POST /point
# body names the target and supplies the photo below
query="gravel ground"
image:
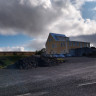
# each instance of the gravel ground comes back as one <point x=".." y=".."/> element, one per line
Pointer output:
<point x="76" y="77"/>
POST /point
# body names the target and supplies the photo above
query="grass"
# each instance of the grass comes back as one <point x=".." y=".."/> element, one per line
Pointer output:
<point x="8" y="60"/>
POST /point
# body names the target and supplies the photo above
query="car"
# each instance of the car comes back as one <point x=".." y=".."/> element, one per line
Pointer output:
<point x="58" y="55"/>
<point x="68" y="55"/>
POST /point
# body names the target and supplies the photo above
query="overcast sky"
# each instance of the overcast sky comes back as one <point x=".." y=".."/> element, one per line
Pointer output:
<point x="25" y="24"/>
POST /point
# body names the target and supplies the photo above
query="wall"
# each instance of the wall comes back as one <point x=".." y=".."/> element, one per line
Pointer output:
<point x="80" y="51"/>
<point x="16" y="53"/>
<point x="63" y="47"/>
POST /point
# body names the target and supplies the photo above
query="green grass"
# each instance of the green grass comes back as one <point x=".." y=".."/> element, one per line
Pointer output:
<point x="8" y="60"/>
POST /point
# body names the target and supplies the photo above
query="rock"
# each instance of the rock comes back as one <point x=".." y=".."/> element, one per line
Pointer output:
<point x="1" y="62"/>
<point x="36" y="61"/>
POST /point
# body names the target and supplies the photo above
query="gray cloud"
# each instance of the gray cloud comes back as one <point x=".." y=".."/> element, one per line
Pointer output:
<point x="39" y="17"/>
<point x="26" y="17"/>
<point x="36" y="44"/>
<point x="86" y="38"/>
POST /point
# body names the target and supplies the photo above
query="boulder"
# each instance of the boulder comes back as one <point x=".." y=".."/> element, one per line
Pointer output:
<point x="35" y="61"/>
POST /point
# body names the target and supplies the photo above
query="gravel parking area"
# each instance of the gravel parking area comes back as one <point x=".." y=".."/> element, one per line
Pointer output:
<point x="75" y="77"/>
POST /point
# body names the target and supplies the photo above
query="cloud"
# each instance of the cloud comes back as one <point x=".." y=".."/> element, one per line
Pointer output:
<point x="87" y="38"/>
<point x="78" y="3"/>
<point x="39" y="17"/>
<point x="35" y="17"/>
<point x="36" y="44"/>
<point x="94" y="9"/>
<point x="28" y="16"/>
<point x="12" y="48"/>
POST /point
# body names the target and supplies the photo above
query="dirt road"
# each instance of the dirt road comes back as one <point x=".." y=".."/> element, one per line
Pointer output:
<point x="76" y="77"/>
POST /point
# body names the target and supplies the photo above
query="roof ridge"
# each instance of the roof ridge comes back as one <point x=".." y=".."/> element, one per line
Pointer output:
<point x="56" y="35"/>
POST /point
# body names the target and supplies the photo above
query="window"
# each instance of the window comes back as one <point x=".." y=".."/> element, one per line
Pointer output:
<point x="73" y="43"/>
<point x="77" y="43"/>
<point x="64" y="51"/>
<point x="70" y="43"/>
<point x="55" y="45"/>
<point x="50" y="39"/>
<point x="61" y="44"/>
<point x="87" y="45"/>
<point x="52" y="45"/>
<point x="81" y="45"/>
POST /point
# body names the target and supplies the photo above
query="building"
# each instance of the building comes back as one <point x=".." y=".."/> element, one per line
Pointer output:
<point x="81" y="51"/>
<point x="60" y="44"/>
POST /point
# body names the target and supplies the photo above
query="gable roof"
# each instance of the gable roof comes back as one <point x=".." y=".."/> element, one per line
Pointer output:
<point x="58" y="37"/>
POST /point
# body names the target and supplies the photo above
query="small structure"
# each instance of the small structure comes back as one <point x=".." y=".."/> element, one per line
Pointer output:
<point x="60" y="44"/>
<point x="81" y="51"/>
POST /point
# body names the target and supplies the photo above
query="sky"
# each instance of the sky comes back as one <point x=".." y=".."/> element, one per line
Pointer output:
<point x="25" y="24"/>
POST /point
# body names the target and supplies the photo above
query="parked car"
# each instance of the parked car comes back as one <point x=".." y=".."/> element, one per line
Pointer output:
<point x="68" y="55"/>
<point x="58" y="55"/>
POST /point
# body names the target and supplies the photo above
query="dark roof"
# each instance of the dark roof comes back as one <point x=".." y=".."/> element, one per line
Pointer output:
<point x="56" y="36"/>
<point x="80" y="41"/>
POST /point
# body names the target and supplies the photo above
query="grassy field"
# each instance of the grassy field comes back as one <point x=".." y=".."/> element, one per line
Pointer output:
<point x="8" y="60"/>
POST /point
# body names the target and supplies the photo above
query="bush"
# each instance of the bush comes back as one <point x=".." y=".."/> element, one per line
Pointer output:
<point x="14" y="53"/>
<point x="40" y="52"/>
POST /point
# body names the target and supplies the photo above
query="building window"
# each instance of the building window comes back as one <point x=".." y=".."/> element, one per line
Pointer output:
<point x="55" y="45"/>
<point x="52" y="45"/>
<point x="73" y="43"/>
<point x="61" y="44"/>
<point x="50" y="39"/>
<point x="81" y="45"/>
<point x="87" y="45"/>
<point x="77" y="44"/>
<point x="70" y="43"/>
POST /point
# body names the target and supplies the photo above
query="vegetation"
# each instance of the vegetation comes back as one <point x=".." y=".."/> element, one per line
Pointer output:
<point x="8" y="60"/>
<point x="40" y="52"/>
